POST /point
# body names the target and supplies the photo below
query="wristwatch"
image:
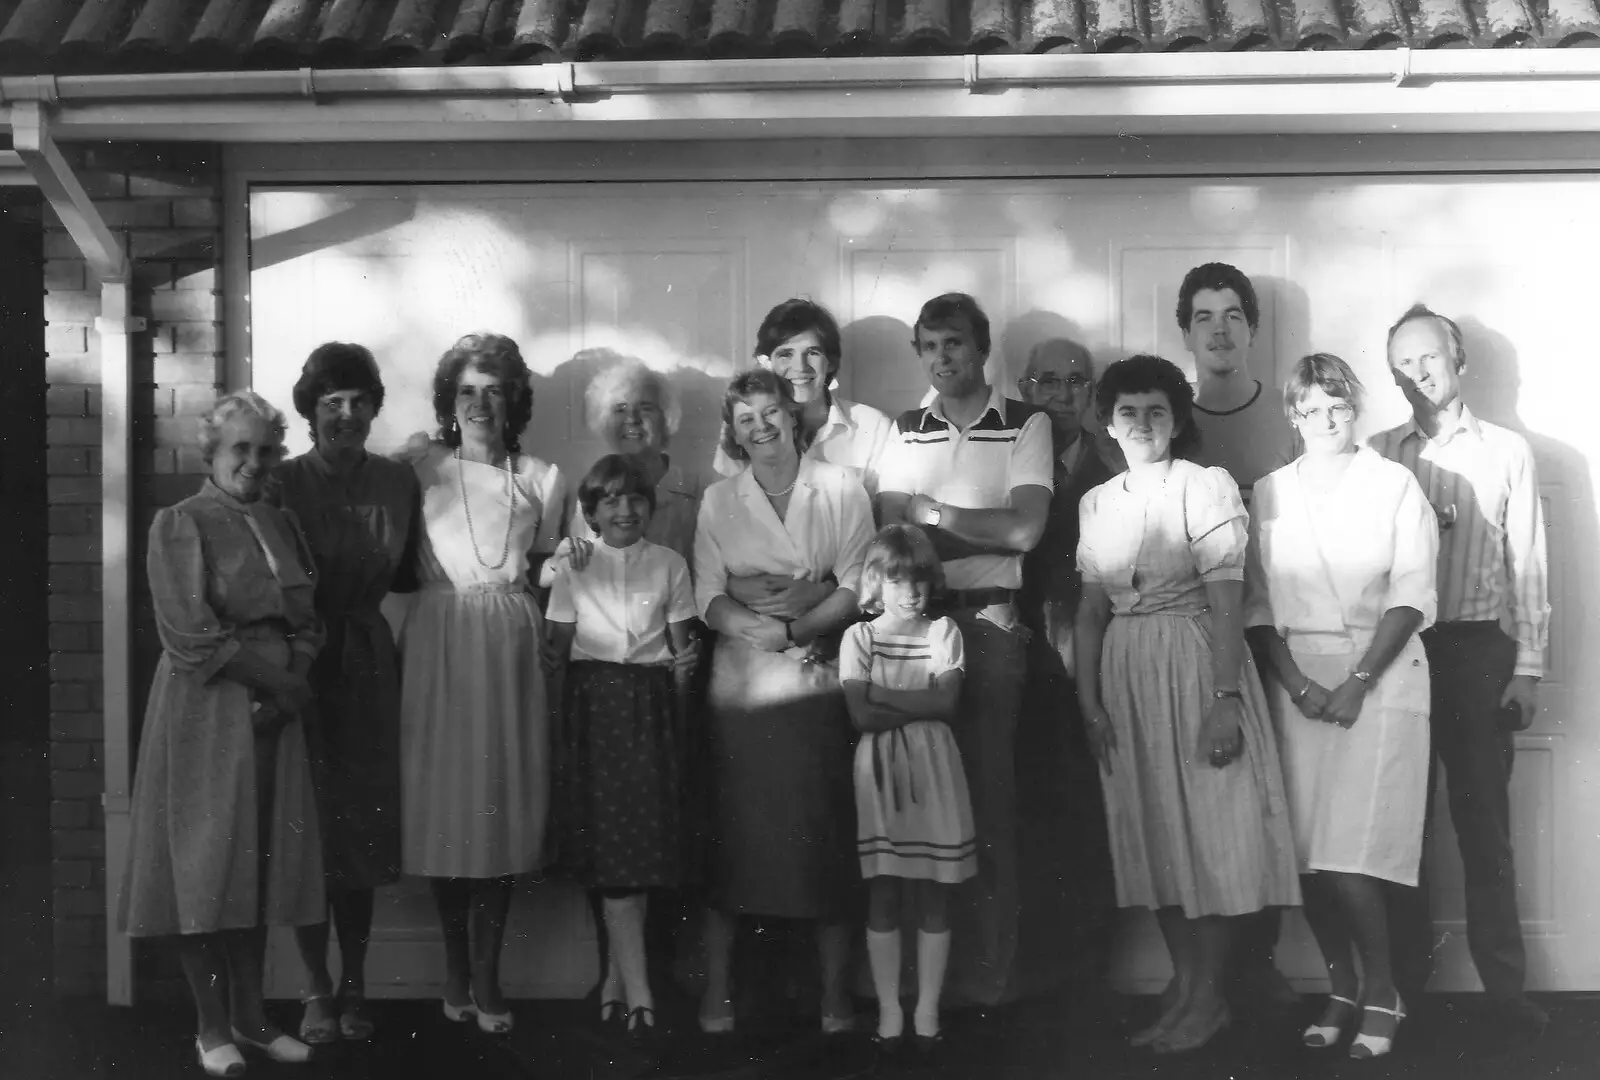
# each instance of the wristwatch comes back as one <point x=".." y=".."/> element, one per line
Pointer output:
<point x="1362" y="677"/>
<point x="1221" y="694"/>
<point x="934" y="514"/>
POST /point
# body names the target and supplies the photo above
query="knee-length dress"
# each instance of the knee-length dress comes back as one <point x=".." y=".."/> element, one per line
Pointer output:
<point x="620" y="760"/>
<point x="913" y="811"/>
<point x="474" y="731"/>
<point x="1323" y="569"/>
<point x="783" y="825"/>
<point x="1183" y="833"/>
<point x="225" y="575"/>
<point x="361" y="528"/>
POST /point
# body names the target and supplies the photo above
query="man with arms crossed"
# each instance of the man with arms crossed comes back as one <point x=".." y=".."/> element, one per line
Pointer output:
<point x="1482" y="483"/>
<point x="974" y="470"/>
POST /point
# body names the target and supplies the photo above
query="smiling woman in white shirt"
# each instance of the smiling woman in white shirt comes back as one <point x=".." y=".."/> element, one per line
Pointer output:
<point x="781" y="740"/>
<point x="1340" y="573"/>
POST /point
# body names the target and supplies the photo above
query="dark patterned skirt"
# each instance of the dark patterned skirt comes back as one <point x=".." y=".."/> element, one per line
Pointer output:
<point x="619" y="777"/>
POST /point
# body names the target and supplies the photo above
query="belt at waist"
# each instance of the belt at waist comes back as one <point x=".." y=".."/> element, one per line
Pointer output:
<point x="475" y="588"/>
<point x="966" y="599"/>
<point x="1329" y="642"/>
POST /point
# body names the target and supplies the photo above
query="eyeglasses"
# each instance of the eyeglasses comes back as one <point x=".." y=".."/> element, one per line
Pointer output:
<point x="1342" y="412"/>
<point x="1054" y="384"/>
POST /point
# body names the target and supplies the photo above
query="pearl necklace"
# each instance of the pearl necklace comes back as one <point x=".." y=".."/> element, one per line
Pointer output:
<point x="511" y="515"/>
<point x="778" y="494"/>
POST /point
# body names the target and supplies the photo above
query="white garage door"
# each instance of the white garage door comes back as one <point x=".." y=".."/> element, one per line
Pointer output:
<point x="680" y="275"/>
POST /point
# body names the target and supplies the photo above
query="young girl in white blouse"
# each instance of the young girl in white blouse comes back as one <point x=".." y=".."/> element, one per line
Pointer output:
<point x="615" y="628"/>
<point x="901" y="674"/>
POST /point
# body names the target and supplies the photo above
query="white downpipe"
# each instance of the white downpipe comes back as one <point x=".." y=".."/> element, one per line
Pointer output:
<point x="109" y="263"/>
<point x="986" y="72"/>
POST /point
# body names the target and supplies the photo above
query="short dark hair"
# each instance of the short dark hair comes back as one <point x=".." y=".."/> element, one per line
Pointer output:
<point x="496" y="355"/>
<point x="1452" y="331"/>
<point x="334" y="366"/>
<point x="1325" y="372"/>
<point x="795" y="317"/>
<point x="613" y="474"/>
<point x="746" y="385"/>
<point x="1217" y="276"/>
<point x="945" y="309"/>
<point x="898" y="553"/>
<point x="1146" y="374"/>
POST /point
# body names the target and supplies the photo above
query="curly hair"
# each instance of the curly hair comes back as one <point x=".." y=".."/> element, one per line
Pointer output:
<point x="1217" y="276"/>
<point x="334" y="366"/>
<point x="746" y="385"/>
<point x="1147" y="375"/>
<point x="1325" y="372"/>
<point x="792" y="318"/>
<point x="608" y="386"/>
<point x="493" y="354"/>
<point x="228" y="406"/>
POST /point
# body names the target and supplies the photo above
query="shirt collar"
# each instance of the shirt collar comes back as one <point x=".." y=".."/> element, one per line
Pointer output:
<point x="997" y="399"/>
<point x="630" y="554"/>
<point x="1466" y="422"/>
<point x="838" y="418"/>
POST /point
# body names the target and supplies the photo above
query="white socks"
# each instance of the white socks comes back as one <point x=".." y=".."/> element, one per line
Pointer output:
<point x="883" y="950"/>
<point x="933" y="953"/>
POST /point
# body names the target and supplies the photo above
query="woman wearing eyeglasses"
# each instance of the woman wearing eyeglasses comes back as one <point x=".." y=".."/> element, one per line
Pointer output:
<point x="1340" y="580"/>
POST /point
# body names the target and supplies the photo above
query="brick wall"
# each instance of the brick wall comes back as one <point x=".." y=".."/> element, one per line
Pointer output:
<point x="164" y="203"/>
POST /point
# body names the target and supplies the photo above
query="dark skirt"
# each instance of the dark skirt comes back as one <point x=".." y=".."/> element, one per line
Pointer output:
<point x="784" y="814"/>
<point x="619" y="778"/>
<point x="354" y="746"/>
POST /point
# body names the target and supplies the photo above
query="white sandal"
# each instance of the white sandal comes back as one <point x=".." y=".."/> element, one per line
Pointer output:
<point x="1322" y="1036"/>
<point x="1363" y="1047"/>
<point x="224" y="1060"/>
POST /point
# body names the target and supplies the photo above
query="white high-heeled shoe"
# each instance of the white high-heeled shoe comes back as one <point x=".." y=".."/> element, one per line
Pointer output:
<point x="284" y="1049"/>
<point x="1364" y="1047"/>
<point x="493" y="1023"/>
<point x="224" y="1060"/>
<point x="1323" y="1036"/>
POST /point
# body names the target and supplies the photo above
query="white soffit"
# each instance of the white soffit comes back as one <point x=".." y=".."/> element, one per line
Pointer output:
<point x="1344" y="92"/>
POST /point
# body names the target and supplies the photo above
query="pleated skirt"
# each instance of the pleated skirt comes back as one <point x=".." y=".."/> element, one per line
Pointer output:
<point x="913" y="811"/>
<point x="474" y="735"/>
<point x="1184" y="833"/>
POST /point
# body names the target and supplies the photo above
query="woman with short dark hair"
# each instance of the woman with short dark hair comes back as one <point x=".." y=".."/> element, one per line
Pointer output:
<point x="780" y="736"/>
<point x="1343" y="552"/>
<point x="360" y="512"/>
<point x="475" y="756"/>
<point x="1171" y="702"/>
<point x="223" y="825"/>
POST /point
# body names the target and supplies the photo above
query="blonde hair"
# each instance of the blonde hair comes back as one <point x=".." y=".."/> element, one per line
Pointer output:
<point x="898" y="553"/>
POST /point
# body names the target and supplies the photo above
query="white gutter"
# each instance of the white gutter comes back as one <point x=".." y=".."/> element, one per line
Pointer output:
<point x="35" y="147"/>
<point x="1269" y="92"/>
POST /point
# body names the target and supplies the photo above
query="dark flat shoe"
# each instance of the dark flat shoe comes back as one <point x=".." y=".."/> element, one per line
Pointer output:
<point x="928" y="1045"/>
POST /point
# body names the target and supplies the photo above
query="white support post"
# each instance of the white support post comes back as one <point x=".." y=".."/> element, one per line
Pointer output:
<point x="103" y="251"/>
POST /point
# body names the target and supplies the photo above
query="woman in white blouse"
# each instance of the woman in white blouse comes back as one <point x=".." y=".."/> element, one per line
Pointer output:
<point x="781" y="741"/>
<point x="1341" y="579"/>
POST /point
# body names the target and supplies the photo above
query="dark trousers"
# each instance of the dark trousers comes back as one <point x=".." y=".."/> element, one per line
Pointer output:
<point x="1470" y="664"/>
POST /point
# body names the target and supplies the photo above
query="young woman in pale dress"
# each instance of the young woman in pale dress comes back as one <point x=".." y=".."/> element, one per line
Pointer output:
<point x="1343" y="546"/>
<point x="475" y="777"/>
<point x="1173" y="708"/>
<point x="780" y="736"/>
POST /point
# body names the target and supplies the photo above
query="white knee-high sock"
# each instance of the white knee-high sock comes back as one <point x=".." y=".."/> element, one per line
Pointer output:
<point x="883" y="950"/>
<point x="933" y="953"/>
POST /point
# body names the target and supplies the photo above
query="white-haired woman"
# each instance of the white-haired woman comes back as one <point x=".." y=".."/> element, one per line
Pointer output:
<point x="1340" y="578"/>
<point x="224" y="837"/>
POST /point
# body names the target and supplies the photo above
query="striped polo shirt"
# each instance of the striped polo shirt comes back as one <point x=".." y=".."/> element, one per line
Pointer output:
<point x="975" y="468"/>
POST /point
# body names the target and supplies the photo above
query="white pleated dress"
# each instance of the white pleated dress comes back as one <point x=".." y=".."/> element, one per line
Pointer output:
<point x="1323" y="569"/>
<point x="475" y="740"/>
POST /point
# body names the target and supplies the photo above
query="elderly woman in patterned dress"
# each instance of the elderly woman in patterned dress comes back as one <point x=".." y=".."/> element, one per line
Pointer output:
<point x="360" y="515"/>
<point x="223" y="828"/>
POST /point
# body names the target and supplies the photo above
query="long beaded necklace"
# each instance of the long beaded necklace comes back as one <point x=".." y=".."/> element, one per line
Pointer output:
<point x="511" y="515"/>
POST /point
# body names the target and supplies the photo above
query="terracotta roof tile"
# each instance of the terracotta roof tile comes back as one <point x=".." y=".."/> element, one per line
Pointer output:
<point x="67" y="36"/>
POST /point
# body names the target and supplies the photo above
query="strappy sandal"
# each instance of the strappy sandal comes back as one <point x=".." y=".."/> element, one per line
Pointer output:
<point x="319" y="1032"/>
<point x="1323" y="1036"/>
<point x="1366" y="1047"/>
